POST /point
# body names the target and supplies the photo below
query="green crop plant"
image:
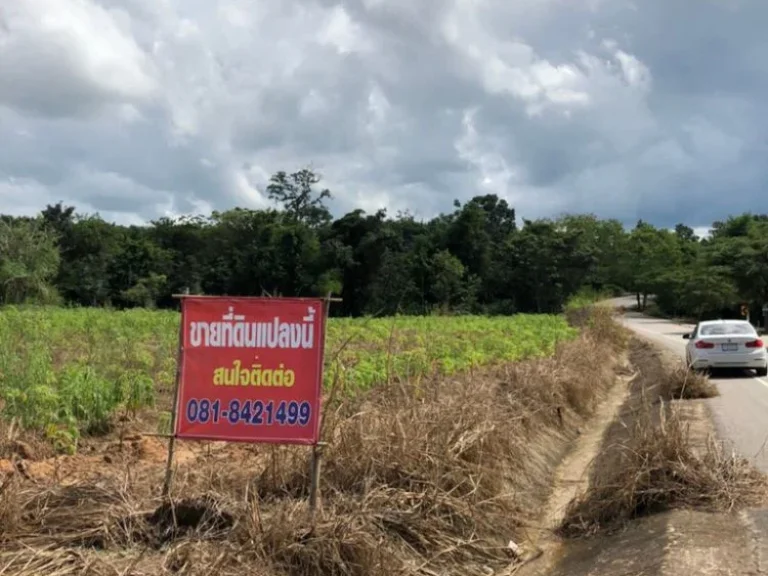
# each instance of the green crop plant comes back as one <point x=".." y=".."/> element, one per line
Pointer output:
<point x="66" y="372"/>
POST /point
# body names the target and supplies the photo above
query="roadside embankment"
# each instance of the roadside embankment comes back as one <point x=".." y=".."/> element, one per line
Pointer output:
<point x="662" y="496"/>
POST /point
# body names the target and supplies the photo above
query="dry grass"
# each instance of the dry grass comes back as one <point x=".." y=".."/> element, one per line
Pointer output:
<point x="651" y="465"/>
<point x="685" y="384"/>
<point x="599" y="322"/>
<point x="418" y="478"/>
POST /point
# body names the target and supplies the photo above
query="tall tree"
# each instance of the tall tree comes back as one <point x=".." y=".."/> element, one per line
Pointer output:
<point x="29" y="261"/>
<point x="299" y="198"/>
<point x="651" y="254"/>
<point x="88" y="249"/>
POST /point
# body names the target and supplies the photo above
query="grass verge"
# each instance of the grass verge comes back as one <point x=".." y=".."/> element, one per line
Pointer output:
<point x="421" y="476"/>
<point x="650" y="464"/>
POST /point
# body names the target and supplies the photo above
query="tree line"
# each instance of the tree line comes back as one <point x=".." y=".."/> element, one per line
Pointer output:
<point x="475" y="259"/>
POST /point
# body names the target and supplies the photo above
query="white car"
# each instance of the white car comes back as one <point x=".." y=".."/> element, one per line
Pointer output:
<point x="726" y="344"/>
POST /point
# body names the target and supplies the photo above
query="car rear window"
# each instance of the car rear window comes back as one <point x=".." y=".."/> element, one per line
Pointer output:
<point x="724" y="329"/>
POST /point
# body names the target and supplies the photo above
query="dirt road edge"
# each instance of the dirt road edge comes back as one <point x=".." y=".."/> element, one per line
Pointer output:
<point x="669" y="543"/>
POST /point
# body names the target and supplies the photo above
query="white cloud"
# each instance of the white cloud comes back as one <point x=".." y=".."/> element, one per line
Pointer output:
<point x="492" y="171"/>
<point x="635" y="72"/>
<point x="341" y="32"/>
<point x="702" y="231"/>
<point x="68" y="57"/>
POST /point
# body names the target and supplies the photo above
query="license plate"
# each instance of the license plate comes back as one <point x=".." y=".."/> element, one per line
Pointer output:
<point x="730" y="347"/>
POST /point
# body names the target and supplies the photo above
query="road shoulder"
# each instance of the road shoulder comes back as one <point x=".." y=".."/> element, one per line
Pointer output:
<point x="697" y="414"/>
<point x="679" y="541"/>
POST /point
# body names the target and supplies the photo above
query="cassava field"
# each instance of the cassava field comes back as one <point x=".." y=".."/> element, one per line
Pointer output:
<point x="69" y="372"/>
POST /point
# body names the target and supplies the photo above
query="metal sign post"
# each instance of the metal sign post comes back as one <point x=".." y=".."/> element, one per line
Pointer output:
<point x="172" y="440"/>
<point x="317" y="448"/>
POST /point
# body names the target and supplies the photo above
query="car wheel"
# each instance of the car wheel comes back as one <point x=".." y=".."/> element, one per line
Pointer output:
<point x="762" y="372"/>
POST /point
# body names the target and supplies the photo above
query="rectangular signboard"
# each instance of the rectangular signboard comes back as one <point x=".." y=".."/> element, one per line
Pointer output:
<point x="251" y="369"/>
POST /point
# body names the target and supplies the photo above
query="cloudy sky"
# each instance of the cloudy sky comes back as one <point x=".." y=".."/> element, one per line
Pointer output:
<point x="653" y="109"/>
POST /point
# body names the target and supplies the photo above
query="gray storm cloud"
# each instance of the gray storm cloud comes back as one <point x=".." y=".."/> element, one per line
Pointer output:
<point x="146" y="108"/>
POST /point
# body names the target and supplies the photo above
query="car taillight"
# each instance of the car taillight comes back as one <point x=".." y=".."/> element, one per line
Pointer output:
<point x="701" y="344"/>
<point x="754" y="344"/>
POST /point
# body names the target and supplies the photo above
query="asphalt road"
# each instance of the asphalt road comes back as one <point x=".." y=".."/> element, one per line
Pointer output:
<point x="740" y="413"/>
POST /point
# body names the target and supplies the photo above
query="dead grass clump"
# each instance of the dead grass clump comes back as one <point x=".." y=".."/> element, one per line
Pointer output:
<point x="682" y="383"/>
<point x="31" y="562"/>
<point x="345" y="541"/>
<point x="578" y="316"/>
<point x="587" y="372"/>
<point x="446" y="472"/>
<point x="470" y="437"/>
<point x="80" y="515"/>
<point x="651" y="465"/>
<point x="659" y="471"/>
<point x="433" y="477"/>
<point x="599" y="322"/>
<point x="10" y="506"/>
<point x="384" y="532"/>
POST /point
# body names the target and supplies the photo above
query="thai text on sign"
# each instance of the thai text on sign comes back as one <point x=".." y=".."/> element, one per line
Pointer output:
<point x="251" y="369"/>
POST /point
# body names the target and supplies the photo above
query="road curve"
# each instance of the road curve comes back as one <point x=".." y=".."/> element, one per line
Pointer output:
<point x="740" y="413"/>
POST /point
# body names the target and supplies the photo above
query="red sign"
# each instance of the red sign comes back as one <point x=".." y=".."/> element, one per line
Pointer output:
<point x="251" y="369"/>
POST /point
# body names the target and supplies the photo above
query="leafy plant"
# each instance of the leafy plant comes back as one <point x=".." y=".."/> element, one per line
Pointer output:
<point x="67" y="372"/>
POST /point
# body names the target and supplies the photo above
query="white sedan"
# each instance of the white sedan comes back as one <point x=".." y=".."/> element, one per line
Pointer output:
<point x="726" y="344"/>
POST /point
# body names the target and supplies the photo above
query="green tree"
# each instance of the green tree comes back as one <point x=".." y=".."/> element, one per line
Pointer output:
<point x="473" y="258"/>
<point x="185" y="240"/>
<point x="299" y="198"/>
<point x="707" y="288"/>
<point x="447" y="273"/>
<point x="137" y="269"/>
<point x="651" y="254"/>
<point x="536" y="256"/>
<point x="29" y="261"/>
<point x="394" y="289"/>
<point x="146" y="291"/>
<point x="89" y="247"/>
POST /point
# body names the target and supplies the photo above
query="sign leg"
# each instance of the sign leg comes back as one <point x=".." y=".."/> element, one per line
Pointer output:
<point x="314" y="480"/>
<point x="169" y="467"/>
<point x="172" y="439"/>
